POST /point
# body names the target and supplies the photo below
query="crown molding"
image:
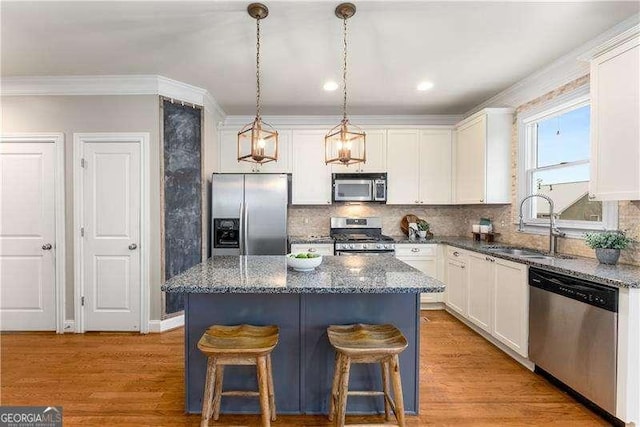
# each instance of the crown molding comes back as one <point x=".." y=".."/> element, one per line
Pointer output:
<point x="370" y="121"/>
<point x="110" y="85"/>
<point x="563" y="70"/>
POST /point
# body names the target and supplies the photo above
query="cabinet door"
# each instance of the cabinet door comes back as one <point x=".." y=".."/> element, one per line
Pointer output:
<point x="511" y="306"/>
<point x="311" y="177"/>
<point x="435" y="166"/>
<point x="470" y="161"/>
<point x="615" y="124"/>
<point x="284" y="151"/>
<point x="318" y="248"/>
<point x="481" y="278"/>
<point x="376" y="155"/>
<point x="428" y="266"/>
<point x="457" y="281"/>
<point x="228" y="154"/>
<point x="403" y="164"/>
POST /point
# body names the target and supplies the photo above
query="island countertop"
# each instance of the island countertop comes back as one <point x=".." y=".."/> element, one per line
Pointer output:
<point x="270" y="274"/>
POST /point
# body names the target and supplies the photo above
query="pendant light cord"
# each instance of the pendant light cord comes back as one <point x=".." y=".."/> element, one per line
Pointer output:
<point x="258" y="67"/>
<point x="344" y="71"/>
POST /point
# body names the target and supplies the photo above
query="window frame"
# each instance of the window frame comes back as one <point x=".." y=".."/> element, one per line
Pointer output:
<point x="527" y="155"/>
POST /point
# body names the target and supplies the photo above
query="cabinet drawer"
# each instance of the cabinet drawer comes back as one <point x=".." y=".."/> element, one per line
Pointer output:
<point x="456" y="253"/>
<point x="318" y="248"/>
<point x="421" y="250"/>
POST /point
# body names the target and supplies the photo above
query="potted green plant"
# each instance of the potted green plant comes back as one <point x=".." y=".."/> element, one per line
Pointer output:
<point x="423" y="228"/>
<point x="607" y="245"/>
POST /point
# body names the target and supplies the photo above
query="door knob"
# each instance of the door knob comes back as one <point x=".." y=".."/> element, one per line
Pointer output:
<point x="46" y="247"/>
<point x="133" y="247"/>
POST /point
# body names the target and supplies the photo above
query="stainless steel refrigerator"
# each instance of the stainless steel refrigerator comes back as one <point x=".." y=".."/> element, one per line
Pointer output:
<point x="249" y="214"/>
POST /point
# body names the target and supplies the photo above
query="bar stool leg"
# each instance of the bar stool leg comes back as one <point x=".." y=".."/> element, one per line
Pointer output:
<point x="217" y="392"/>
<point x="272" y="400"/>
<point x="208" y="391"/>
<point x="343" y="389"/>
<point x="397" y="389"/>
<point x="334" y="387"/>
<point x="263" y="387"/>
<point x="384" y="367"/>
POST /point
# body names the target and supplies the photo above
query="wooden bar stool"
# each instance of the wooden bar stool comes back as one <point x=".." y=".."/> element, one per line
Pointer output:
<point x="238" y="345"/>
<point x="366" y="344"/>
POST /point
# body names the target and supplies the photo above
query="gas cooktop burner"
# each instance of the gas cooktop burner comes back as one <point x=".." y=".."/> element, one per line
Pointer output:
<point x="361" y="238"/>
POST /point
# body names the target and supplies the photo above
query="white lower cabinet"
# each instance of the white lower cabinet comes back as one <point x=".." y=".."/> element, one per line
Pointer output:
<point x="317" y="248"/>
<point x="422" y="257"/>
<point x="492" y="293"/>
<point x="511" y="306"/>
<point x="457" y="281"/>
<point x="481" y="281"/>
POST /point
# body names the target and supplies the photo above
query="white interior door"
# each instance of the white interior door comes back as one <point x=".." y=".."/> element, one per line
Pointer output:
<point x="111" y="215"/>
<point x="27" y="236"/>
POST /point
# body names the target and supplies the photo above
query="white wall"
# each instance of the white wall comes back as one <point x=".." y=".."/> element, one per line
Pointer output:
<point x="69" y="114"/>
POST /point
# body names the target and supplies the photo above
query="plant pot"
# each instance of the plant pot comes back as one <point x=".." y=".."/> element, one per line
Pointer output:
<point x="608" y="256"/>
<point x="422" y="233"/>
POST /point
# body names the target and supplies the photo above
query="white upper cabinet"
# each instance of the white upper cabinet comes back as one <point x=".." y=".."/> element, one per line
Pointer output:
<point x="435" y="166"/>
<point x="615" y="121"/>
<point x="311" y="177"/>
<point x="403" y="167"/>
<point x="228" y="155"/>
<point x="376" y="155"/>
<point x="483" y="157"/>
<point x="419" y="166"/>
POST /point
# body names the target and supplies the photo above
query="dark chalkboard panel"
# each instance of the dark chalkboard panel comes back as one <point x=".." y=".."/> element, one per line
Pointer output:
<point x="182" y="194"/>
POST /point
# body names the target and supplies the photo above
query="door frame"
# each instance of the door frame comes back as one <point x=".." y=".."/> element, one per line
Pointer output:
<point x="79" y="139"/>
<point x="57" y="138"/>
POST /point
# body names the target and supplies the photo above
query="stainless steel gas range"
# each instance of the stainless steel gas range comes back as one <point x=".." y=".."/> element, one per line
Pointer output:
<point x="360" y="236"/>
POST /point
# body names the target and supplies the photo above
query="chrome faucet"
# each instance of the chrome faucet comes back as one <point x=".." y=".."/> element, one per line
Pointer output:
<point x="554" y="233"/>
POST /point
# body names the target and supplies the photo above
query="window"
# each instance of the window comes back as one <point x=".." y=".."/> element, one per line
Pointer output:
<point x="554" y="159"/>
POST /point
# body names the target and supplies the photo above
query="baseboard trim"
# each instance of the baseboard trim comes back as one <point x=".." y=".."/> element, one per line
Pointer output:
<point x="432" y="306"/>
<point x="159" y="326"/>
<point x="523" y="361"/>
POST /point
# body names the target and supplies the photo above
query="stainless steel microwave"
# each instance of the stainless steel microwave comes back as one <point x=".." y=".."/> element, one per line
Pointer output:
<point x="360" y="187"/>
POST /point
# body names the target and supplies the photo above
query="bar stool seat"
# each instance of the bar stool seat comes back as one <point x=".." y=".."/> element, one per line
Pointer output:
<point x="238" y="345"/>
<point x="363" y="343"/>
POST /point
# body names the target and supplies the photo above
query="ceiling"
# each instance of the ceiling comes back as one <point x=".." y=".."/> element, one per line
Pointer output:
<point x="469" y="50"/>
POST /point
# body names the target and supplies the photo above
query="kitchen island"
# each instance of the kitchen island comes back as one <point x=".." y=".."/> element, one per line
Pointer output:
<point x="262" y="290"/>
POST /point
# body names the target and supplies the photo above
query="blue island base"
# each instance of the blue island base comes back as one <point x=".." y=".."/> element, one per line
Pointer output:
<point x="303" y="361"/>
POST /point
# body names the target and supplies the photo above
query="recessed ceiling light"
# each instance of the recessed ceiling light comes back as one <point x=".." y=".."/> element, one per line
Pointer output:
<point x="330" y="86"/>
<point x="422" y="86"/>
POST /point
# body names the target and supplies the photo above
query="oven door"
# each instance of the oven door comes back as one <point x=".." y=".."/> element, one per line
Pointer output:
<point x="352" y="190"/>
<point x="365" y="253"/>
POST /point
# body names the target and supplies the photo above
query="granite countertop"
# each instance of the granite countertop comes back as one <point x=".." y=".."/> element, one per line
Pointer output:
<point x="296" y="240"/>
<point x="620" y="276"/>
<point x="270" y="274"/>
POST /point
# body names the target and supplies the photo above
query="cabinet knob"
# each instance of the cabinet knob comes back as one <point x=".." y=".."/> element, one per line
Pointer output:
<point x="489" y="259"/>
<point x="462" y="266"/>
<point x="415" y="250"/>
<point x="47" y="247"/>
<point x="592" y="196"/>
<point x="133" y="247"/>
<point x="456" y="253"/>
<point x="417" y="201"/>
<point x="312" y="250"/>
<point x="481" y="200"/>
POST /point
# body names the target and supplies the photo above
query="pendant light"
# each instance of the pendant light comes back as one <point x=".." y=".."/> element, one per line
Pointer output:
<point x="258" y="141"/>
<point x="346" y="143"/>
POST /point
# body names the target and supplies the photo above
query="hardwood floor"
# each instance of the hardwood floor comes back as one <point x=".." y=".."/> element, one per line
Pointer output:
<point x="125" y="379"/>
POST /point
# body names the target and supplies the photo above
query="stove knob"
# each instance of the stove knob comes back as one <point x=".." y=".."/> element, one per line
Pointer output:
<point x="388" y="246"/>
<point x="379" y="246"/>
<point x="351" y="246"/>
<point x="365" y="246"/>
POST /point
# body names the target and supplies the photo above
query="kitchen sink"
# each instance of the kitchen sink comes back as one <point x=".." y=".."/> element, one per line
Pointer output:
<point x="526" y="253"/>
<point x="517" y="252"/>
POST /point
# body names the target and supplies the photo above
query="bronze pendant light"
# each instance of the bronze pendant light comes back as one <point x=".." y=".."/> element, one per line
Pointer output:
<point x="345" y="144"/>
<point x="258" y="141"/>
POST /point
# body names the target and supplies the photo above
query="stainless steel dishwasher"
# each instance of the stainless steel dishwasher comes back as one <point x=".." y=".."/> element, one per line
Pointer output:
<point x="573" y="328"/>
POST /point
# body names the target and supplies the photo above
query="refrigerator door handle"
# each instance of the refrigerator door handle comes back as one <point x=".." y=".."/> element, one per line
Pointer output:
<point x="241" y="229"/>
<point x="245" y="227"/>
